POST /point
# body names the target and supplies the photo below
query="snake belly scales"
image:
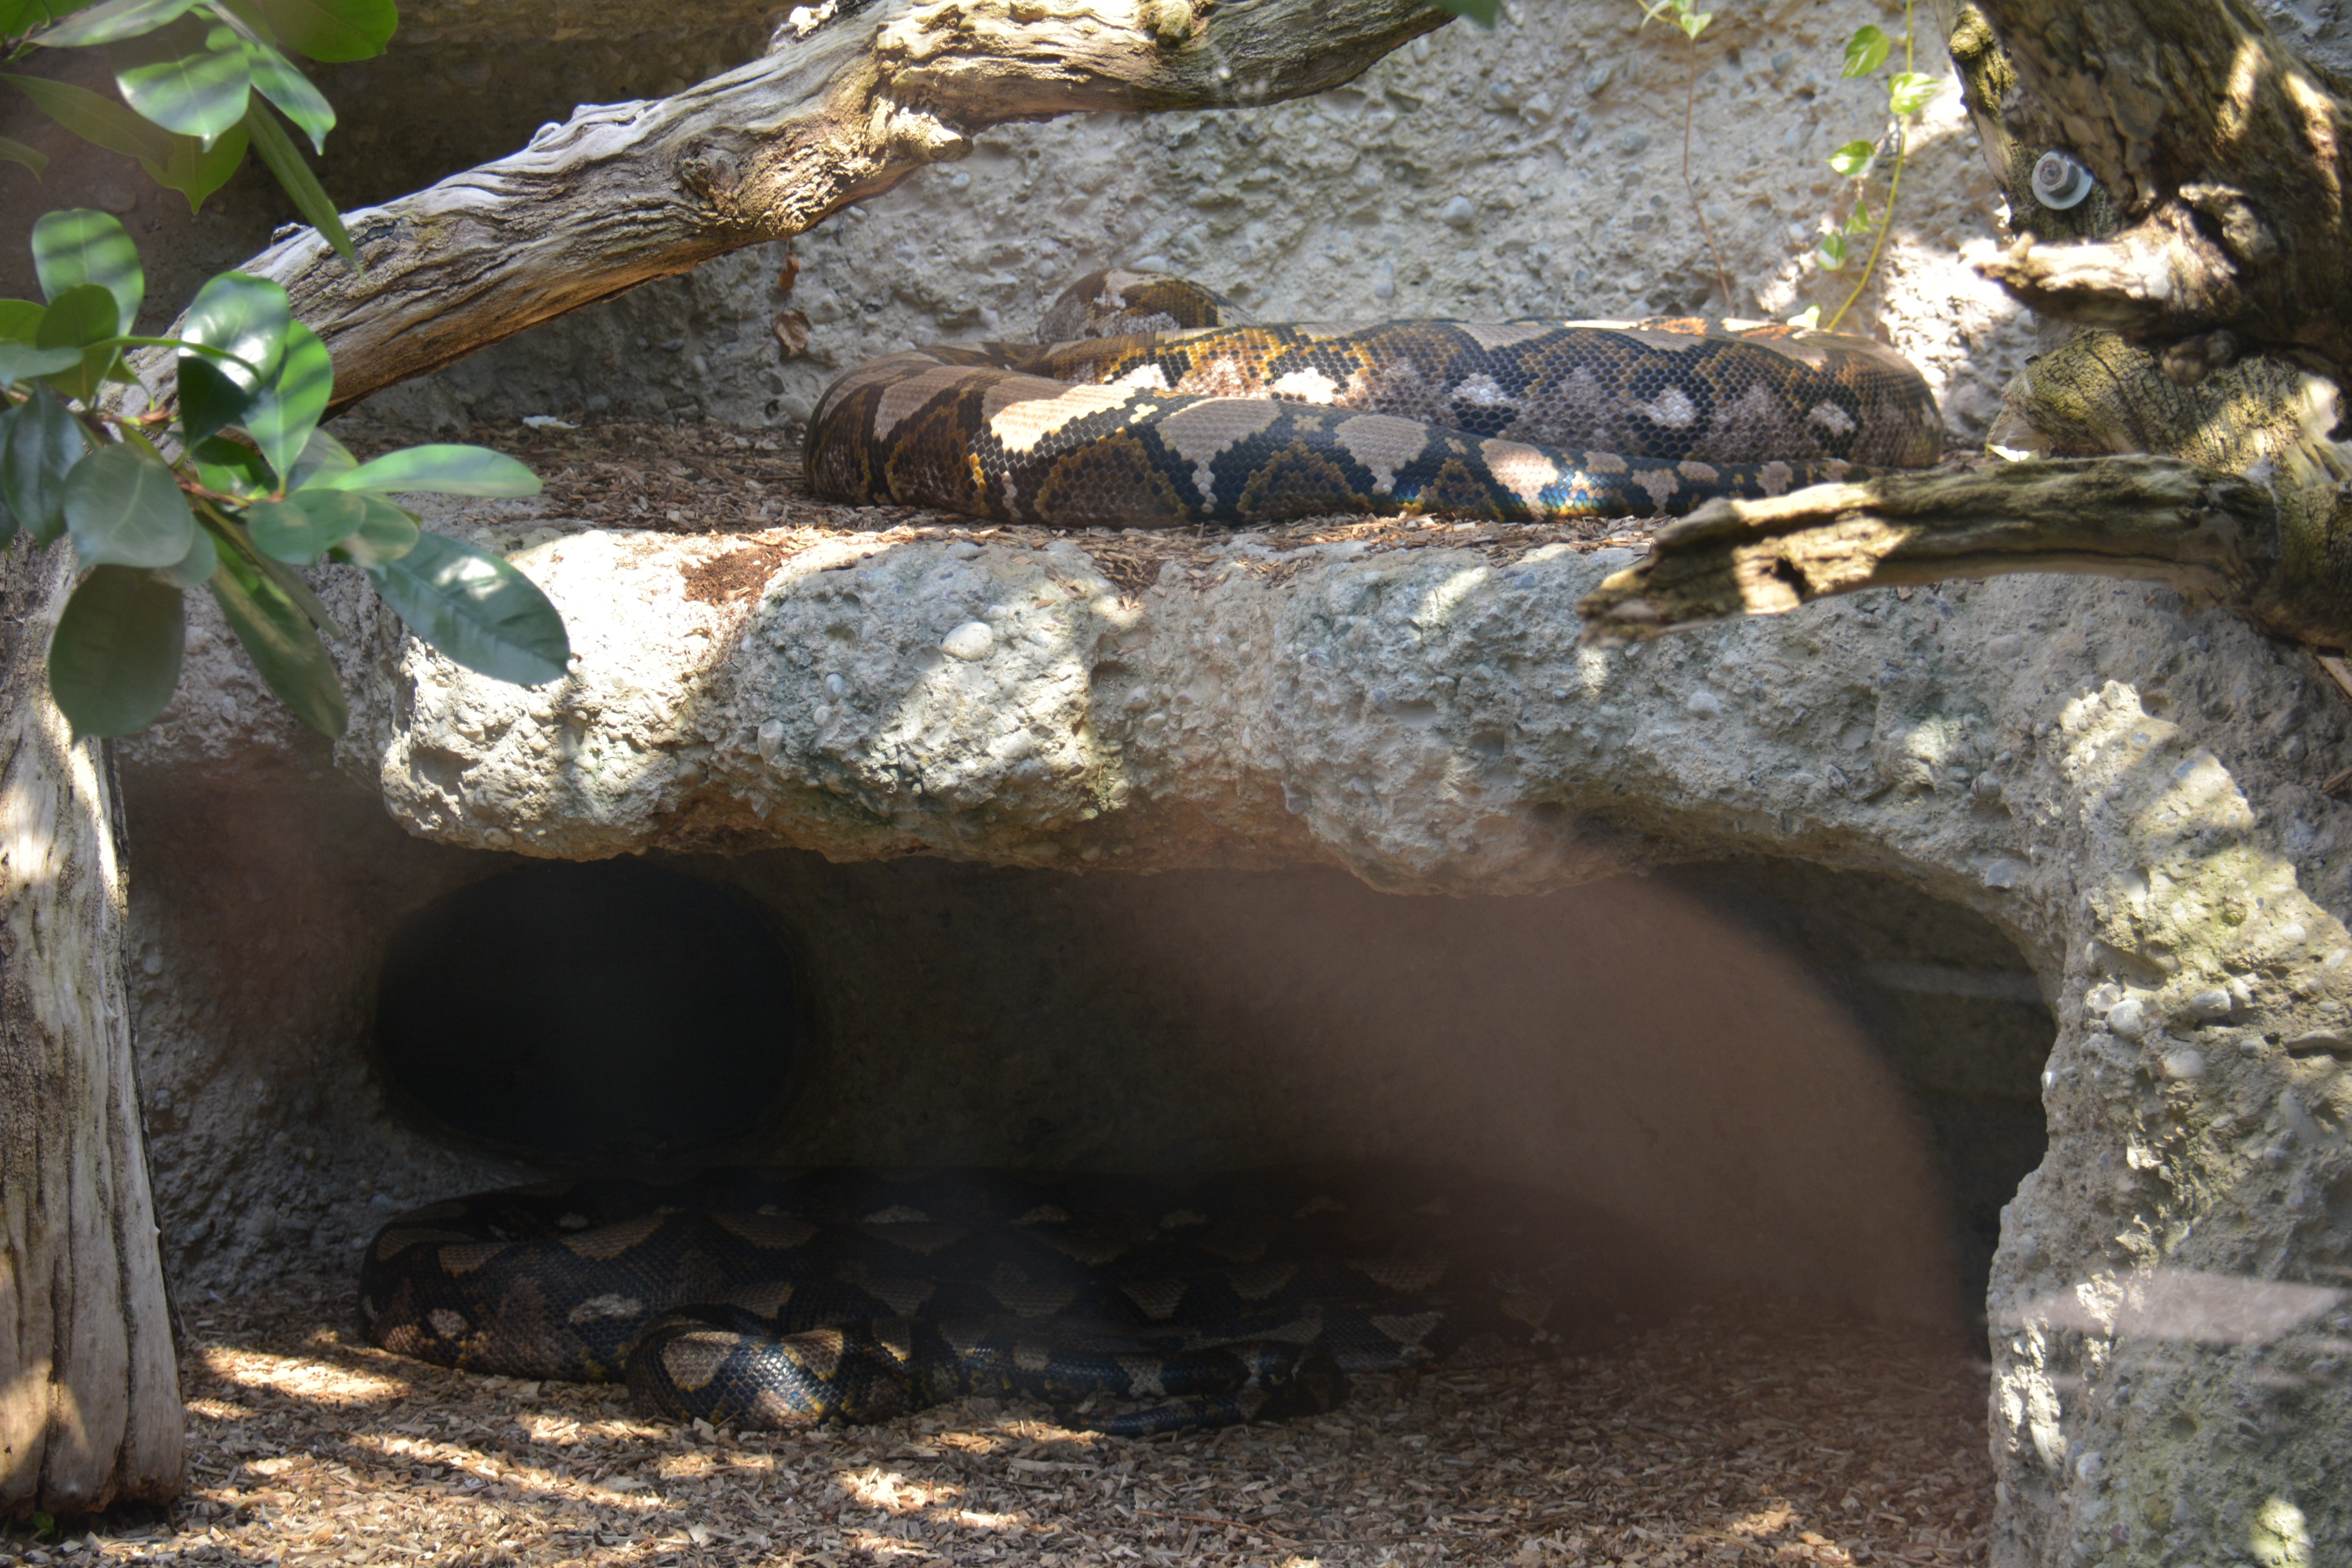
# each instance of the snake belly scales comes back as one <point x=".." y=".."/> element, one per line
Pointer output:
<point x="1156" y="403"/>
<point x="1135" y="1304"/>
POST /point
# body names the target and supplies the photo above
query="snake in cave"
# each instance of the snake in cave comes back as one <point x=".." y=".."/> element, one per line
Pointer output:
<point x="1133" y="1304"/>
<point x="1151" y="401"/>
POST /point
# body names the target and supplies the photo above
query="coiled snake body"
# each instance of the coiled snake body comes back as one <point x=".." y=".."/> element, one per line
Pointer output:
<point x="781" y="1299"/>
<point x="1157" y="402"/>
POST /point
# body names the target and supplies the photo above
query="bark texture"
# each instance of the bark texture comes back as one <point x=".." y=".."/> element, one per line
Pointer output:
<point x="2211" y="535"/>
<point x="2222" y="151"/>
<point x="624" y="194"/>
<point x="89" y="1401"/>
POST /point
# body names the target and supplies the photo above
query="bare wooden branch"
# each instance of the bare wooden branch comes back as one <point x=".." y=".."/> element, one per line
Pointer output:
<point x="627" y="193"/>
<point x="2207" y="533"/>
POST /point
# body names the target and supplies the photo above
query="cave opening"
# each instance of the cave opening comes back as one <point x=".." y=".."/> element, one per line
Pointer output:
<point x="1809" y="1082"/>
<point x="588" y="1012"/>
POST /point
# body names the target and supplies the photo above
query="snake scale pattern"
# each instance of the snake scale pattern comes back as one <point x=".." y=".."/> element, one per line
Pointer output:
<point x="782" y="1299"/>
<point x="1155" y="403"/>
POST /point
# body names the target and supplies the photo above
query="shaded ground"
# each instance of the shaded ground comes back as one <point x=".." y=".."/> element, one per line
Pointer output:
<point x="1746" y="1437"/>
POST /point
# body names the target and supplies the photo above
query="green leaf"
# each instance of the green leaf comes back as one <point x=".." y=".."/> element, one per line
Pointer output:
<point x="281" y="642"/>
<point x="195" y="568"/>
<point x="1693" y="23"/>
<point x="1854" y="157"/>
<point x="78" y="317"/>
<point x="31" y="157"/>
<point x="322" y="458"/>
<point x="196" y="171"/>
<point x="282" y="84"/>
<point x="40" y="442"/>
<point x="189" y="77"/>
<point x="1908" y="93"/>
<point x="332" y="30"/>
<point x="442" y="470"/>
<point x="306" y="525"/>
<point x="232" y="467"/>
<point x="1865" y="52"/>
<point x="1857" y="222"/>
<point x="21" y="362"/>
<point x="182" y="164"/>
<point x="75" y="246"/>
<point x="388" y="534"/>
<point x="1809" y="319"/>
<point x="1482" y="12"/>
<point x="476" y="609"/>
<point x="284" y="160"/>
<point x="17" y="16"/>
<point x="245" y="316"/>
<point x="20" y="320"/>
<point x="93" y="118"/>
<point x="290" y="582"/>
<point x="124" y="506"/>
<point x="1832" y="251"/>
<point x="114" y="659"/>
<point x="111" y="21"/>
<point x="288" y="406"/>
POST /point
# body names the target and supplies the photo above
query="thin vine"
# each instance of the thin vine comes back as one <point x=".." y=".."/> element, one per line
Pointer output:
<point x="1693" y="21"/>
<point x="1908" y="93"/>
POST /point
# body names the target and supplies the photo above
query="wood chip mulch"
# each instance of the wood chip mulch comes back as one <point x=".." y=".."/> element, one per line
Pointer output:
<point x="1733" y="1435"/>
<point x="711" y="479"/>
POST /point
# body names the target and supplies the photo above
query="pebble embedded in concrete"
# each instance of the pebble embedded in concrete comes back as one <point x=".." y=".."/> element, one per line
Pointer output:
<point x="972" y="640"/>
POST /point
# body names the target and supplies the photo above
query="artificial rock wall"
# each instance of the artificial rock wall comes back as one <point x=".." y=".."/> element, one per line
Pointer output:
<point x="2132" y="793"/>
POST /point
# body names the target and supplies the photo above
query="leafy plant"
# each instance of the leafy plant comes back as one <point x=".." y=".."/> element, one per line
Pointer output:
<point x="233" y="491"/>
<point x="201" y="83"/>
<point x="1907" y="92"/>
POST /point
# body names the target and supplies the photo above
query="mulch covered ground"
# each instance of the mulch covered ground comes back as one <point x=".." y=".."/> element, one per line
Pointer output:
<point x="1746" y="1436"/>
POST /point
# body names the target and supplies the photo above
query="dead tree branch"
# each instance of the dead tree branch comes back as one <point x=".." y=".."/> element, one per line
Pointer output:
<point x="2207" y="533"/>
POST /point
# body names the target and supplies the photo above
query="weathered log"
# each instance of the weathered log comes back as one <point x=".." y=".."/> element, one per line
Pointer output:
<point x="89" y="1397"/>
<point x="2211" y="534"/>
<point x="834" y="113"/>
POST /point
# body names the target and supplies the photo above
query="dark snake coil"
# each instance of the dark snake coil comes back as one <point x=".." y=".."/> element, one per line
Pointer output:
<point x="1155" y="403"/>
<point x="1137" y="1305"/>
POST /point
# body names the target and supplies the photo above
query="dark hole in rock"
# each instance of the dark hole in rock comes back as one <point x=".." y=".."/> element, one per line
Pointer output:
<point x="585" y="1011"/>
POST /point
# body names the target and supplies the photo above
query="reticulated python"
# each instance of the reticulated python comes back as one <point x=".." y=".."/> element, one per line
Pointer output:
<point x="1137" y="1305"/>
<point x="1155" y="403"/>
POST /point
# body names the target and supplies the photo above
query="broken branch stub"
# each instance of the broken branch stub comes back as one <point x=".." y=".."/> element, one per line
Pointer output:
<point x="2221" y="151"/>
<point x="624" y="194"/>
<point x="2206" y="533"/>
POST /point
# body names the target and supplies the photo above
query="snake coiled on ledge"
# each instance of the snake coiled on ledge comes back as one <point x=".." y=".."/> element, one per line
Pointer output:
<point x="1154" y="403"/>
<point x="1139" y="1304"/>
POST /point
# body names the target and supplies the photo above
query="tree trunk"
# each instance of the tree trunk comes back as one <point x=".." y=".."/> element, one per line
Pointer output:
<point x="89" y="1396"/>
<point x="624" y="194"/>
